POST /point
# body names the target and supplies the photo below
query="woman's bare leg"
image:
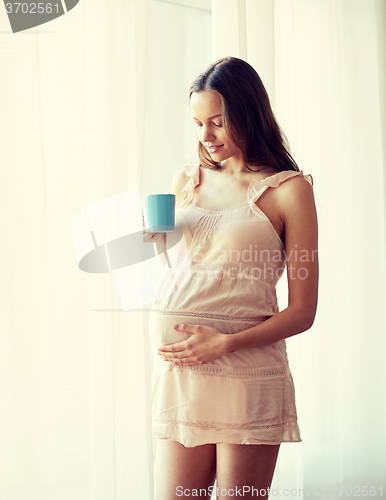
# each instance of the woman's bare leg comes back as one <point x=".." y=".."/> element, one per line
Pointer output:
<point x="178" y="468"/>
<point x="245" y="466"/>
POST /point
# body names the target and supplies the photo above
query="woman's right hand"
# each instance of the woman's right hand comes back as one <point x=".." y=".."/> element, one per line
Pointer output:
<point x="159" y="240"/>
<point x="147" y="237"/>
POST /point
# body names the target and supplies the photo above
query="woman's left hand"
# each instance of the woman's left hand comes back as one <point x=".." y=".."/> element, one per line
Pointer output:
<point x="204" y="345"/>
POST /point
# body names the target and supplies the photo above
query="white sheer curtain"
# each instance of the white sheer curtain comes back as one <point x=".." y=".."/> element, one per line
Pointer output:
<point x="324" y="67"/>
<point x="74" y="388"/>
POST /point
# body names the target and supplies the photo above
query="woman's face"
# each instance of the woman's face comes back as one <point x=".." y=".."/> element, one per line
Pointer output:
<point x="206" y="110"/>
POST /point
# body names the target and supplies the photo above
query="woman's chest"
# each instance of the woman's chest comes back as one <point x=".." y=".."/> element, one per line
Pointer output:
<point x="243" y="235"/>
<point x="225" y="198"/>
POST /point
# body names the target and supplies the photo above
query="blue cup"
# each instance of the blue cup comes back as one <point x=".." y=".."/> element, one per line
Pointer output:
<point x="159" y="213"/>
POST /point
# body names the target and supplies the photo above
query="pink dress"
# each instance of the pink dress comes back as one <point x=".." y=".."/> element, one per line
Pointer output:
<point x="223" y="274"/>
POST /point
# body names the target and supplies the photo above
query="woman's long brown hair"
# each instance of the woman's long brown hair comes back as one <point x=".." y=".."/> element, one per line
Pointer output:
<point x="247" y="115"/>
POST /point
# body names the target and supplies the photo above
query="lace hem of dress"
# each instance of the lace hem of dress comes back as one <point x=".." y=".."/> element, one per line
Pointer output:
<point x="222" y="426"/>
<point x="254" y="320"/>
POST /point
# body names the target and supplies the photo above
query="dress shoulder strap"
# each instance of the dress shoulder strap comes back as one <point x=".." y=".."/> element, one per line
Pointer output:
<point x="192" y="170"/>
<point x="257" y="188"/>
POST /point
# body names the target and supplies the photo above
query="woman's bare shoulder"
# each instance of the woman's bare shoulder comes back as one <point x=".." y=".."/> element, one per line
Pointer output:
<point x="180" y="180"/>
<point x="295" y="195"/>
<point x="294" y="187"/>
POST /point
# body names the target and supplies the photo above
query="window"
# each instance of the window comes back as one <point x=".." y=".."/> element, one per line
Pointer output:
<point x="178" y="50"/>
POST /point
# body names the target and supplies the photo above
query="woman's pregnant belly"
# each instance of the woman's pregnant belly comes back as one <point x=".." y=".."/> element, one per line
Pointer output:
<point x="162" y="332"/>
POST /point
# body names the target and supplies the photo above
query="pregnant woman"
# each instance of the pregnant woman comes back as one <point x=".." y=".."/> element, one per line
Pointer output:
<point x="222" y="394"/>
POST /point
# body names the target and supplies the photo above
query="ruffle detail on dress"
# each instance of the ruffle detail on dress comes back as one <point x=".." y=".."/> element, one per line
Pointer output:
<point x="256" y="188"/>
<point x="206" y="227"/>
<point x="192" y="170"/>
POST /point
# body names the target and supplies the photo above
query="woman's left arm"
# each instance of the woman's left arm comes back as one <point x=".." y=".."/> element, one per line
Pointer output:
<point x="297" y="207"/>
<point x="296" y="204"/>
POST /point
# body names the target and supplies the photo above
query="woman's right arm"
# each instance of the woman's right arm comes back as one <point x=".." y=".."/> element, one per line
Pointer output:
<point x="159" y="239"/>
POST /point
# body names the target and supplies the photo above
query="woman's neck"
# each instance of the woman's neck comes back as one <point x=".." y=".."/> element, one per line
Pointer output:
<point x="233" y="167"/>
